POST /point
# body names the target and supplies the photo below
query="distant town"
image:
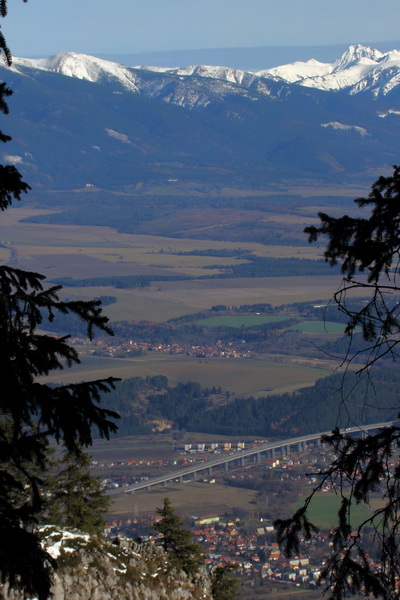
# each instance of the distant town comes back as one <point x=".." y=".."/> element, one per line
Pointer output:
<point x="246" y="540"/>
<point x="117" y="348"/>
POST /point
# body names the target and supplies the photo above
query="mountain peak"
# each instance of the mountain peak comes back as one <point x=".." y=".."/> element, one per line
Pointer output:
<point x="360" y="68"/>
<point x="90" y="68"/>
<point x="356" y="54"/>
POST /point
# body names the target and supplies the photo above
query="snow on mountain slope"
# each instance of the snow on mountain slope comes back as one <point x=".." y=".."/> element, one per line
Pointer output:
<point x="214" y="72"/>
<point x="194" y="86"/>
<point x="117" y="122"/>
<point x="341" y="127"/>
<point x="95" y="69"/>
<point x="359" y="68"/>
<point x="83" y="66"/>
<point x="297" y="71"/>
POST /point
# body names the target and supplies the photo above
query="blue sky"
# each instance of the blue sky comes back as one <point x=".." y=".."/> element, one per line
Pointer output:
<point x="43" y="27"/>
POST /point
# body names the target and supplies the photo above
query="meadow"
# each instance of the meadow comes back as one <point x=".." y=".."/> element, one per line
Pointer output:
<point x="242" y="376"/>
<point x="323" y="511"/>
<point x="240" y="321"/>
<point x="320" y="327"/>
<point x="193" y="497"/>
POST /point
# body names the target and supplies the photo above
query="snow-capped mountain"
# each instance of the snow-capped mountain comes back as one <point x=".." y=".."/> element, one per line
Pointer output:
<point x="360" y="68"/>
<point x="88" y="119"/>
<point x="80" y="66"/>
<point x="190" y="87"/>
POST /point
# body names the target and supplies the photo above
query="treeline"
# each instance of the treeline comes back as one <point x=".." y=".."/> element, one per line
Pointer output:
<point x="290" y="342"/>
<point x="281" y="338"/>
<point x="258" y="266"/>
<point x="323" y="311"/>
<point x="70" y="324"/>
<point x="331" y="402"/>
<point x="181" y="331"/>
<point x="129" y="400"/>
<point x="141" y="401"/>
<point x="220" y="252"/>
<point x="118" y="281"/>
<point x="194" y="334"/>
<point x="255" y="267"/>
<point x="163" y="333"/>
<point x="250" y="309"/>
<point x="132" y="212"/>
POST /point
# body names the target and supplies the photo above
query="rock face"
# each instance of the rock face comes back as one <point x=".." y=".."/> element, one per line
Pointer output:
<point x="93" y="569"/>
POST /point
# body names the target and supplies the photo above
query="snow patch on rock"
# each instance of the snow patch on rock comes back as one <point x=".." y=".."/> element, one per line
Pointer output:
<point x="341" y="127"/>
<point x="122" y="137"/>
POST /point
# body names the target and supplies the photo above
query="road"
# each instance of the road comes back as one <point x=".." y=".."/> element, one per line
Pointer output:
<point x="235" y="456"/>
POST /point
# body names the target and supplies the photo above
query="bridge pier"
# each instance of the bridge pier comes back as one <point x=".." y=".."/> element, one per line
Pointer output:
<point x="285" y="450"/>
<point x="210" y="471"/>
<point x="227" y="466"/>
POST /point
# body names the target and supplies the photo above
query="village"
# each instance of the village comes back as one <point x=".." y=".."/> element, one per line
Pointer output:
<point x="246" y="540"/>
<point x="118" y="348"/>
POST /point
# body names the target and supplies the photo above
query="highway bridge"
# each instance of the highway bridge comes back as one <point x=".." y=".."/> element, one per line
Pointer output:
<point x="283" y="446"/>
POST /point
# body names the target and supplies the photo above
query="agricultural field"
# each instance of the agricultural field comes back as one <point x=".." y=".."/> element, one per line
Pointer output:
<point x="240" y="321"/>
<point x="241" y="376"/>
<point x="82" y="252"/>
<point x="324" y="508"/>
<point x="320" y="327"/>
<point x="193" y="497"/>
<point x="165" y="300"/>
<point x="206" y="293"/>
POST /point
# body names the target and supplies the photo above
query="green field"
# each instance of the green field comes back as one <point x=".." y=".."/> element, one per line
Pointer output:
<point x="240" y="321"/>
<point x="320" y="327"/>
<point x="324" y="507"/>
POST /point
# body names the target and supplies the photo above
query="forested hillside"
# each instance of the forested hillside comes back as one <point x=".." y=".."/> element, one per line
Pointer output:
<point x="150" y="404"/>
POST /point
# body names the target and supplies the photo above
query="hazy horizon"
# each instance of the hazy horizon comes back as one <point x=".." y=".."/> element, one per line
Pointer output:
<point x="42" y="27"/>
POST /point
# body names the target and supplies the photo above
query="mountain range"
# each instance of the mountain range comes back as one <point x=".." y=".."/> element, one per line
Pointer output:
<point x="359" y="68"/>
<point x="78" y="121"/>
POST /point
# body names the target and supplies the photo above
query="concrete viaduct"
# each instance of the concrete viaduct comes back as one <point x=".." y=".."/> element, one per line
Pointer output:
<point x="270" y="448"/>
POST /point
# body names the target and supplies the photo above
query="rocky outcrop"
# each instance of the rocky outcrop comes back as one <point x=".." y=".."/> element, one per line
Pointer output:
<point x="93" y="569"/>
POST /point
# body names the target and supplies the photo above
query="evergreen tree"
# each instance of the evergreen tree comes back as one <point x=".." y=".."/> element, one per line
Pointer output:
<point x="77" y="499"/>
<point x="369" y="464"/>
<point x="177" y="540"/>
<point x="224" y="583"/>
<point x="31" y="411"/>
<point x="369" y="245"/>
